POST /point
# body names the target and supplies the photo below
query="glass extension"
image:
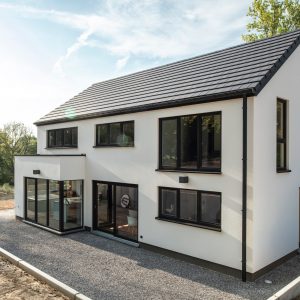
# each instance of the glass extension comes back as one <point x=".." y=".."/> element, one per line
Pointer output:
<point x="54" y="204"/>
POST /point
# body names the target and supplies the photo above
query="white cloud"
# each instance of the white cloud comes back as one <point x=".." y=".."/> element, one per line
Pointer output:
<point x="150" y="28"/>
<point x="121" y="63"/>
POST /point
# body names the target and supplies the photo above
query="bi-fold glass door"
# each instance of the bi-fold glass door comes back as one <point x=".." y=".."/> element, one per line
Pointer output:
<point x="116" y="209"/>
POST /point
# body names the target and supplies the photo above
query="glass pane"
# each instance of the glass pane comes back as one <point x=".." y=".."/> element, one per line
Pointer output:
<point x="211" y="141"/>
<point x="169" y="143"/>
<point x="104" y="207"/>
<point x="116" y="136"/>
<point x="51" y="138"/>
<point x="281" y="155"/>
<point x="42" y="202"/>
<point x="74" y="137"/>
<point x="211" y="208"/>
<point x="54" y="204"/>
<point x="30" y="199"/>
<point x="67" y="137"/>
<point x="72" y="204"/>
<point x="169" y="203"/>
<point x="188" y="142"/>
<point x="102" y="134"/>
<point x="188" y="205"/>
<point x="128" y="134"/>
<point x="280" y="120"/>
<point x="59" y="138"/>
<point x="127" y="212"/>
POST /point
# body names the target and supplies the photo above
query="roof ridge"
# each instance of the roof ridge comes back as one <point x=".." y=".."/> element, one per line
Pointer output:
<point x="202" y="55"/>
<point x="146" y="89"/>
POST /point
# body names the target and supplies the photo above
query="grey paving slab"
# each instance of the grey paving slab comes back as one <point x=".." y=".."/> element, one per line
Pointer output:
<point x="105" y="269"/>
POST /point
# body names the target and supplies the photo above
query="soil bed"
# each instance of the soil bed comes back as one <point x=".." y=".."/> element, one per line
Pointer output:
<point x="7" y="204"/>
<point x="17" y="284"/>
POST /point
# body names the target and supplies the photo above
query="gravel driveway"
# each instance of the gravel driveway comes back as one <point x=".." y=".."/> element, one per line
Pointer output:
<point x="105" y="269"/>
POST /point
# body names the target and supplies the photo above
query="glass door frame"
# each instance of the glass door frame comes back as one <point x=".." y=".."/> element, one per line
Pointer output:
<point x="61" y="204"/>
<point x="112" y="198"/>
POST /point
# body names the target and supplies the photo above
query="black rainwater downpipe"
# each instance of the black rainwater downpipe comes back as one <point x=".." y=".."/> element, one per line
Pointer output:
<point x="244" y="188"/>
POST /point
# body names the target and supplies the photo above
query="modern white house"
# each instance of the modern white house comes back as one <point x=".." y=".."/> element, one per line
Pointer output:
<point x="199" y="158"/>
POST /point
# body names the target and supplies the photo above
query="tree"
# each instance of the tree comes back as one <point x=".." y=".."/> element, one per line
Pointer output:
<point x="15" y="139"/>
<point x="272" y="17"/>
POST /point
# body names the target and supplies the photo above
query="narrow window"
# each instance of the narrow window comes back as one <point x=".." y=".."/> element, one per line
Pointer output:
<point x="169" y="143"/>
<point x="188" y="142"/>
<point x="115" y="134"/>
<point x="211" y="141"/>
<point x="120" y="134"/>
<point x="281" y="135"/>
<point x="211" y="208"/>
<point x="169" y="203"/>
<point x="188" y="205"/>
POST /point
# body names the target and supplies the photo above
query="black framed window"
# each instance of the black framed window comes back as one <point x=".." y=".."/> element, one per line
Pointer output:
<point x="62" y="138"/>
<point x="120" y="134"/>
<point x="54" y="204"/>
<point x="191" y="207"/>
<point x="191" y="142"/>
<point x="281" y="156"/>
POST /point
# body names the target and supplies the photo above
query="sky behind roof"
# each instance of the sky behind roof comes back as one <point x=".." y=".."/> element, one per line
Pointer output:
<point x="51" y="50"/>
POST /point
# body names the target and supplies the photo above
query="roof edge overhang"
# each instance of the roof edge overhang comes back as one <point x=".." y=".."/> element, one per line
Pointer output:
<point x="155" y="106"/>
<point x="277" y="66"/>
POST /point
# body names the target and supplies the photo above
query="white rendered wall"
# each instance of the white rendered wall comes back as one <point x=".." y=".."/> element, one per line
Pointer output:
<point x="276" y="195"/>
<point x="137" y="166"/>
<point x="51" y="167"/>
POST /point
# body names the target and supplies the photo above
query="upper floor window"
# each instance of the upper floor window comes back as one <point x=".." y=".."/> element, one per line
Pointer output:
<point x="281" y="135"/>
<point x="191" y="142"/>
<point x="62" y="138"/>
<point x="115" y="134"/>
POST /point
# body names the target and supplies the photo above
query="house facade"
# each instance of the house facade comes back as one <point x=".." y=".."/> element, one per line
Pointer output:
<point x="198" y="158"/>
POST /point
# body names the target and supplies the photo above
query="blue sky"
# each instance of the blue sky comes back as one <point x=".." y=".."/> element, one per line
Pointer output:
<point x="51" y="50"/>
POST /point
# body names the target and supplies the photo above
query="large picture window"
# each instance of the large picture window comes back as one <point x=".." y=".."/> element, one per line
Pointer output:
<point x="62" y="138"/>
<point x="281" y="135"/>
<point x="119" y="134"/>
<point x="191" y="142"/>
<point x="54" y="204"/>
<point x="192" y="207"/>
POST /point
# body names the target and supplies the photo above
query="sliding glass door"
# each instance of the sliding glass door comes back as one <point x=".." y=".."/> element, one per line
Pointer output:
<point x="116" y="209"/>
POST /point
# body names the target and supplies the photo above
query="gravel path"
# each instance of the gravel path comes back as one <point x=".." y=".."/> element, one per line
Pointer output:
<point x="105" y="269"/>
<point x="15" y="284"/>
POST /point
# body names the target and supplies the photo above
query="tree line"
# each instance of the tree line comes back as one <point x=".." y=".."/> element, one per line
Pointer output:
<point x="15" y="139"/>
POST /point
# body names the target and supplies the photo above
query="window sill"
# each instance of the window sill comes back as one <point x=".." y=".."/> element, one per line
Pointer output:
<point x="113" y="146"/>
<point x="189" y="171"/>
<point x="69" y="147"/>
<point x="284" y="171"/>
<point x="189" y="224"/>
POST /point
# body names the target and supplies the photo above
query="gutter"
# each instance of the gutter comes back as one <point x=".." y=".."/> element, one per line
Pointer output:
<point x="244" y="191"/>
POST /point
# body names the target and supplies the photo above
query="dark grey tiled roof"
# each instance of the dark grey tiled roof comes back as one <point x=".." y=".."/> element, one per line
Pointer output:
<point x="233" y="72"/>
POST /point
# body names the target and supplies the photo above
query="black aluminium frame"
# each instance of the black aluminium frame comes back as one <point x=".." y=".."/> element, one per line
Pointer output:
<point x="283" y="140"/>
<point x="177" y="219"/>
<point x="112" y="191"/>
<point x="63" y="138"/>
<point x="178" y="144"/>
<point x="97" y="144"/>
<point x="61" y="206"/>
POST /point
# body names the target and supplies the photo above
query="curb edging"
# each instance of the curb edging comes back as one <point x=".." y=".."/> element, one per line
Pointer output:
<point x="42" y="276"/>
<point x="290" y="291"/>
